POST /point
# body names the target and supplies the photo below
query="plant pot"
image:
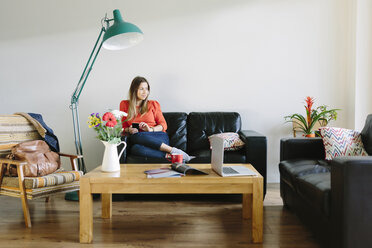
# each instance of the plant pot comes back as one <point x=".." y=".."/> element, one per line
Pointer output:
<point x="310" y="135"/>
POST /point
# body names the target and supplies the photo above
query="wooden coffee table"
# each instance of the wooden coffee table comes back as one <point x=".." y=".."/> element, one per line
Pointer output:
<point x="132" y="179"/>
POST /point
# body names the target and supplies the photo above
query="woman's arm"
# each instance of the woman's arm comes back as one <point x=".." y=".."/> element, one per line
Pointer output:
<point x="130" y="130"/>
<point x="124" y="107"/>
<point x="159" y="117"/>
<point x="145" y="127"/>
<point x="157" y="128"/>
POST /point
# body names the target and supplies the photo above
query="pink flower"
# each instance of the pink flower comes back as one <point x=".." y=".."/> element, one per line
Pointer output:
<point x="309" y="102"/>
<point x="110" y="118"/>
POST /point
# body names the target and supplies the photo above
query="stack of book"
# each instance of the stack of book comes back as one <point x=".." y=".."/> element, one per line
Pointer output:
<point x="162" y="172"/>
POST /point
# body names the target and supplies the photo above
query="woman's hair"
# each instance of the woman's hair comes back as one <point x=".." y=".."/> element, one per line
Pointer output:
<point x="132" y="95"/>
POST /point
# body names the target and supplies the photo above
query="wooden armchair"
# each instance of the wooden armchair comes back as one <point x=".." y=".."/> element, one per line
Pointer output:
<point x="31" y="187"/>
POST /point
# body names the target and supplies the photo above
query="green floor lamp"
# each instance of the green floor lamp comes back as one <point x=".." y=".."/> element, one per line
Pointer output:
<point x="119" y="35"/>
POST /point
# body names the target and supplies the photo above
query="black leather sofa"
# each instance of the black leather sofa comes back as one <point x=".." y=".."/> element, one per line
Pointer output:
<point x="190" y="132"/>
<point x="334" y="198"/>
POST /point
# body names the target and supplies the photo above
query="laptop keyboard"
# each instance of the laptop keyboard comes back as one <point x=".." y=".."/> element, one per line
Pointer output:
<point x="229" y="170"/>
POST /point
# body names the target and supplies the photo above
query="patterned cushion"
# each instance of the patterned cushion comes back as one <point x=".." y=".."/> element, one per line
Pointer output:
<point x="41" y="192"/>
<point x="57" y="178"/>
<point x="341" y="142"/>
<point x="231" y="141"/>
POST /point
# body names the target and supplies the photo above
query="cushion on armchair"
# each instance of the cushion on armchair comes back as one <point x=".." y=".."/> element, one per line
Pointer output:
<point x="57" y="178"/>
<point x="342" y="142"/>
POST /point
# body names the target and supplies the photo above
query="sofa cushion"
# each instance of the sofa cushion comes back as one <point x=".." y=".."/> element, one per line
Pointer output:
<point x="341" y="142"/>
<point x="177" y="130"/>
<point x="204" y="156"/>
<point x="231" y="141"/>
<point x="291" y="169"/>
<point x="201" y="125"/>
<point x="367" y="135"/>
<point x="316" y="190"/>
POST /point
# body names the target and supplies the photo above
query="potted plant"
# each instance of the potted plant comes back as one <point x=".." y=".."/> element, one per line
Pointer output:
<point x="321" y="115"/>
<point x="331" y="114"/>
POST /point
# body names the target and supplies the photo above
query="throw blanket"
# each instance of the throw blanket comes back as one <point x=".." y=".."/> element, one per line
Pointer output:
<point x="45" y="132"/>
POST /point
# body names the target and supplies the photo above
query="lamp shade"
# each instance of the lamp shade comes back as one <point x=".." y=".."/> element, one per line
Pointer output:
<point x="121" y="34"/>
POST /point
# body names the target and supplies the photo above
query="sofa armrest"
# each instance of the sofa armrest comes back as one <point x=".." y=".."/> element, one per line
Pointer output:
<point x="256" y="151"/>
<point x="351" y="201"/>
<point x="303" y="148"/>
<point x="123" y="158"/>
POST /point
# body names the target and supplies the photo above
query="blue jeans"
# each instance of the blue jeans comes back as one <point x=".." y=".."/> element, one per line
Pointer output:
<point x="147" y="144"/>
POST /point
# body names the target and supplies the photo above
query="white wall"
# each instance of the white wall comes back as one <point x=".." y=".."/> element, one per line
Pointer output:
<point x="259" y="58"/>
<point x="363" y="72"/>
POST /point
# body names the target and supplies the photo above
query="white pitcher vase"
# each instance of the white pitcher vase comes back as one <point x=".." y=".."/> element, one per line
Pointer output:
<point x="110" y="161"/>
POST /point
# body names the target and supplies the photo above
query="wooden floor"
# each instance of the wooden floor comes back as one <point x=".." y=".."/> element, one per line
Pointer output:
<point x="149" y="222"/>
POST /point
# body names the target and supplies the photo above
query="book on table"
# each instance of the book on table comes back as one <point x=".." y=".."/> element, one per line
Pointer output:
<point x="176" y="170"/>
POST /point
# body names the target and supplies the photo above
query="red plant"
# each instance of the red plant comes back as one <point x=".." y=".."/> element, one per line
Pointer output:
<point x="309" y="103"/>
<point x="110" y="118"/>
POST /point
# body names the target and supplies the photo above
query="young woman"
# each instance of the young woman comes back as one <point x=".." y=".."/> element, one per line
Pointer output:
<point x="145" y="123"/>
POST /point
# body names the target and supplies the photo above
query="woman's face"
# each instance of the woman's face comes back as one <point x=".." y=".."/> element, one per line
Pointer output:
<point x="143" y="91"/>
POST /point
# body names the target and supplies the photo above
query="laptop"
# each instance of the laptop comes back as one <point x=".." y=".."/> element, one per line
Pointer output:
<point x="217" y="161"/>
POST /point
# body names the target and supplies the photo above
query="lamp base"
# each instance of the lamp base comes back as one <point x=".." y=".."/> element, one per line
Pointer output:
<point x="72" y="196"/>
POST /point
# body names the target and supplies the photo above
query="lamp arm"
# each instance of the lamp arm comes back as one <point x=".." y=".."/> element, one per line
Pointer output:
<point x="85" y="74"/>
<point x="75" y="101"/>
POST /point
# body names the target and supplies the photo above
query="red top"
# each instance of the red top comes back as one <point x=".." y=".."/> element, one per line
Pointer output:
<point x="153" y="117"/>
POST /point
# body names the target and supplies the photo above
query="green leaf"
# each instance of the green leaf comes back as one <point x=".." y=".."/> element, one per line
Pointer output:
<point x="301" y="120"/>
<point x="114" y="140"/>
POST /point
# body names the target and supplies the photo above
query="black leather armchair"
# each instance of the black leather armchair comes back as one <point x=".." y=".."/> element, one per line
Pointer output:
<point x="189" y="132"/>
<point x="334" y="198"/>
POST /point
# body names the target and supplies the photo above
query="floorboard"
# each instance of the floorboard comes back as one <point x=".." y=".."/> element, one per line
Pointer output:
<point x="152" y="222"/>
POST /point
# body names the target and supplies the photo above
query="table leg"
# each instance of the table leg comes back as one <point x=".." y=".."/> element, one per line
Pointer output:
<point x="257" y="211"/>
<point x="106" y="206"/>
<point x="247" y="206"/>
<point x="86" y="211"/>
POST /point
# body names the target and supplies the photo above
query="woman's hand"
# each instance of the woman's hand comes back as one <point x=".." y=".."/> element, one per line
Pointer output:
<point x="132" y="130"/>
<point x="143" y="126"/>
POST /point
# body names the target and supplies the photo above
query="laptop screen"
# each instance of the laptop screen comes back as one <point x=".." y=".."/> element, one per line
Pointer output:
<point x="217" y="154"/>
